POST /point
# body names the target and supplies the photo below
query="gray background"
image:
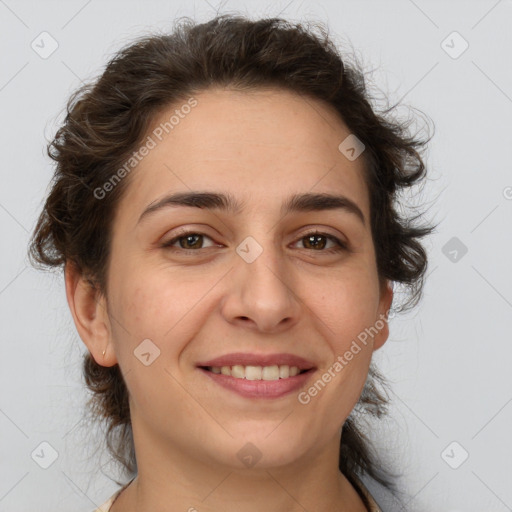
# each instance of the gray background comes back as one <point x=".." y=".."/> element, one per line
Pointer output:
<point x="448" y="360"/>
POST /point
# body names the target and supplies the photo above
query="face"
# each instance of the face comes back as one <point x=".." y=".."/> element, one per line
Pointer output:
<point x="194" y="289"/>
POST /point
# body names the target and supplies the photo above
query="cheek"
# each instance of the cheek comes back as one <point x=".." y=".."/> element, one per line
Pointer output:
<point x="347" y="309"/>
<point x="348" y="306"/>
<point x="145" y="305"/>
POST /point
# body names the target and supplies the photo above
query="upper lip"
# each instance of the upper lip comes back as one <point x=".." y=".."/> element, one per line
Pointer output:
<point x="247" y="359"/>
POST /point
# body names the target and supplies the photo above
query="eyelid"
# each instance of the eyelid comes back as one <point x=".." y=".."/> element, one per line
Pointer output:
<point x="341" y="244"/>
<point x="182" y="233"/>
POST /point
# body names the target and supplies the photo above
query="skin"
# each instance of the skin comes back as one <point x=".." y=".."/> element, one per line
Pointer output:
<point x="261" y="147"/>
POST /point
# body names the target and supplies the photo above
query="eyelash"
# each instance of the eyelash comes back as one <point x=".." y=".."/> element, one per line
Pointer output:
<point x="341" y="246"/>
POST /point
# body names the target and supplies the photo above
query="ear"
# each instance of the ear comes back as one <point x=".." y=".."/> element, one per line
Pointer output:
<point x="89" y="310"/>
<point x="386" y="298"/>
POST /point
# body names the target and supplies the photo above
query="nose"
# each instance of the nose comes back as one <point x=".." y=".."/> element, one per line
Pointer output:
<point x="261" y="293"/>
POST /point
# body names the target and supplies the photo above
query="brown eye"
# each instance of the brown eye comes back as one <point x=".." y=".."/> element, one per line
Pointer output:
<point x="189" y="241"/>
<point x="317" y="242"/>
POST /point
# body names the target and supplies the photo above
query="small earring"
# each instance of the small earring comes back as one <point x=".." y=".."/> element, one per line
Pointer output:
<point x="104" y="354"/>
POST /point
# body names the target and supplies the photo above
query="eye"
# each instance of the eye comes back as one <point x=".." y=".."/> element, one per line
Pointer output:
<point x="313" y="240"/>
<point x="189" y="240"/>
<point x="193" y="241"/>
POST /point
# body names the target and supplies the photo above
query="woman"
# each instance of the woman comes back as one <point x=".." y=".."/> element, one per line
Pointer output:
<point x="224" y="208"/>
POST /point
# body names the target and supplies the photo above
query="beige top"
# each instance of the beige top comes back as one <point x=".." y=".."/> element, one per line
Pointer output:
<point x="373" y="507"/>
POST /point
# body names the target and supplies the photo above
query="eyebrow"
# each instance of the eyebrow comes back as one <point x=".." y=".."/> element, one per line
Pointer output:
<point x="305" y="202"/>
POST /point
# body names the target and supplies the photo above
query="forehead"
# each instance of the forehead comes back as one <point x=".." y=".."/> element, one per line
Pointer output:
<point x="259" y="146"/>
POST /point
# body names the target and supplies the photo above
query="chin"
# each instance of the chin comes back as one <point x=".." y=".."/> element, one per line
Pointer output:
<point x="263" y="447"/>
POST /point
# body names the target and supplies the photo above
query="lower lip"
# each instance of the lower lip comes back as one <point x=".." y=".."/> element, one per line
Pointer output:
<point x="260" y="388"/>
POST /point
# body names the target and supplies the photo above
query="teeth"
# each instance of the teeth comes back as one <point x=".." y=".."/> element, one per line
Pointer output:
<point x="252" y="372"/>
<point x="294" y="371"/>
<point x="237" y="371"/>
<point x="270" y="372"/>
<point x="257" y="372"/>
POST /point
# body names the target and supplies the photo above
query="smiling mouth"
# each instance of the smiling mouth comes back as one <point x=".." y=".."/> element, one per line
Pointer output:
<point x="267" y="373"/>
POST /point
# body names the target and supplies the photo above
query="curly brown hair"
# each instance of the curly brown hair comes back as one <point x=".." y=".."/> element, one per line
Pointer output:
<point x="109" y="117"/>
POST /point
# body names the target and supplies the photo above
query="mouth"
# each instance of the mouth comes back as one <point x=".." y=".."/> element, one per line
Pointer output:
<point x="253" y="376"/>
<point x="250" y="372"/>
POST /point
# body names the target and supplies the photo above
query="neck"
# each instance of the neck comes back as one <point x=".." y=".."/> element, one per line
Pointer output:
<point x="170" y="480"/>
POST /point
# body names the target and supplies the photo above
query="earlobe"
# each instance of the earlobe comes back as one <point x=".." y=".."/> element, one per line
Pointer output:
<point x="88" y="308"/>
<point x="381" y="322"/>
